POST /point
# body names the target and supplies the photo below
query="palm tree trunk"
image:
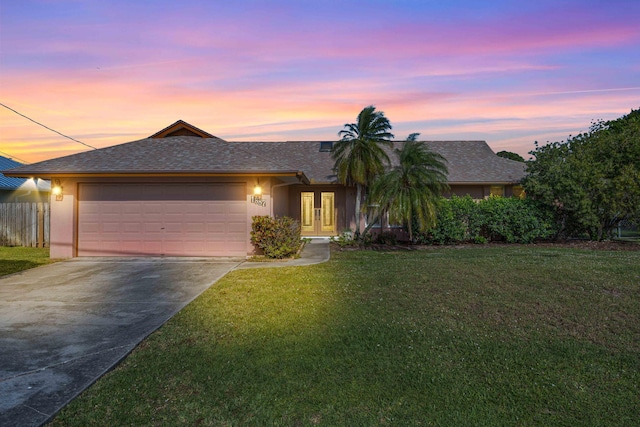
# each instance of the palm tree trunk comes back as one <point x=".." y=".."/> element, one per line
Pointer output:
<point x="358" y="223"/>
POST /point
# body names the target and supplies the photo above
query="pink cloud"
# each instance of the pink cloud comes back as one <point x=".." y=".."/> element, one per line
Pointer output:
<point x="284" y="73"/>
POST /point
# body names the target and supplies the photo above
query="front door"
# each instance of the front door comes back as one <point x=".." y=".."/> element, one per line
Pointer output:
<point x="317" y="213"/>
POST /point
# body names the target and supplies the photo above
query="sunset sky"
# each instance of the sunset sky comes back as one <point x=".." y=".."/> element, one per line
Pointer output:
<point x="508" y="72"/>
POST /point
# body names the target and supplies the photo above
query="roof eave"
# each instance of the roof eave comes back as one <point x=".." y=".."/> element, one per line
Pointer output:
<point x="132" y="174"/>
<point x="483" y="182"/>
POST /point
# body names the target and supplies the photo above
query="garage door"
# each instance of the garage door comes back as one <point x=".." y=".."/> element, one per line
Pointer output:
<point x="162" y="219"/>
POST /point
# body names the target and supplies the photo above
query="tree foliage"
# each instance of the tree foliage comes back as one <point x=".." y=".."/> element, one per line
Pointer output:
<point x="510" y="155"/>
<point x="359" y="155"/>
<point x="591" y="181"/>
<point x="411" y="189"/>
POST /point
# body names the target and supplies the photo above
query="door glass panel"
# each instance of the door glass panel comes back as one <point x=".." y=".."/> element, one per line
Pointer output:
<point x="307" y="212"/>
<point x="328" y="217"/>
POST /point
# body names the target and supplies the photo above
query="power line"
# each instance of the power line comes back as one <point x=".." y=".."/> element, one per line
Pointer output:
<point x="13" y="157"/>
<point x="47" y="127"/>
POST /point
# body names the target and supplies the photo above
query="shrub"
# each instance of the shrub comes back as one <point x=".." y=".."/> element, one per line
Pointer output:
<point x="456" y="221"/>
<point x="345" y="239"/>
<point x="512" y="220"/>
<point x="387" y="238"/>
<point x="276" y="237"/>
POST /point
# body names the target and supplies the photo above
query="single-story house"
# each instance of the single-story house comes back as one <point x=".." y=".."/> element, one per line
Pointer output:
<point x="185" y="192"/>
<point x="19" y="190"/>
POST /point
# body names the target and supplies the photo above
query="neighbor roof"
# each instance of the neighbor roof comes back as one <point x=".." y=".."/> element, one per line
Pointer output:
<point x="12" y="184"/>
<point x="468" y="161"/>
<point x="7" y="183"/>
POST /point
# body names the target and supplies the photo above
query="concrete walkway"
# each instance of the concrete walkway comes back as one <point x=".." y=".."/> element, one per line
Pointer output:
<point x="314" y="252"/>
<point x="64" y="325"/>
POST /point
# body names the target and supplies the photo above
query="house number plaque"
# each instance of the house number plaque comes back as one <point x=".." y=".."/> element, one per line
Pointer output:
<point x="256" y="200"/>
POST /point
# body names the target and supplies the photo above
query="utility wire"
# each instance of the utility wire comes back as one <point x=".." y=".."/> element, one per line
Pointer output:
<point x="47" y="127"/>
<point x="12" y="157"/>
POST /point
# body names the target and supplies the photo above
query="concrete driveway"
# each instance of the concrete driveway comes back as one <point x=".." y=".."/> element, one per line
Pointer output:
<point x="64" y="325"/>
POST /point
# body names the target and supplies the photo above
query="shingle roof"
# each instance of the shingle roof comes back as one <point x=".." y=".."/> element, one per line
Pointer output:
<point x="468" y="161"/>
<point x="182" y="128"/>
<point x="475" y="162"/>
<point x="179" y="154"/>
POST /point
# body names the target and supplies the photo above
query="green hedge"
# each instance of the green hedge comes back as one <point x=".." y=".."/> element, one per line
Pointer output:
<point x="512" y="220"/>
<point x="277" y="237"/>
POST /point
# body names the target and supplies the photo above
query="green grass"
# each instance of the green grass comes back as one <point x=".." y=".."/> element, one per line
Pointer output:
<point x="15" y="259"/>
<point x="450" y="337"/>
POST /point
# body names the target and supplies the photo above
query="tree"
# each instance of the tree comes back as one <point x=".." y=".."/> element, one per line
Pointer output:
<point x="511" y="156"/>
<point x="410" y="190"/>
<point x="592" y="181"/>
<point x="360" y="154"/>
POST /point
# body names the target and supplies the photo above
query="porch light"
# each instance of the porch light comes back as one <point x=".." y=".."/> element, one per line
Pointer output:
<point x="56" y="190"/>
<point x="257" y="190"/>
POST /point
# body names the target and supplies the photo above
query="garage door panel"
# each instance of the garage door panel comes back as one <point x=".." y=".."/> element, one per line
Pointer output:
<point x="236" y="228"/>
<point x="167" y="219"/>
<point x="173" y="228"/>
<point x="194" y="217"/>
<point x="148" y="207"/>
<point x="109" y="227"/>
<point x="236" y="208"/>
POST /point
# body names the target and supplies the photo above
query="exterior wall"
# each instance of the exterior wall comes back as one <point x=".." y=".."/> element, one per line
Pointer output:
<point x="62" y="225"/>
<point x="280" y="198"/>
<point x="475" y="191"/>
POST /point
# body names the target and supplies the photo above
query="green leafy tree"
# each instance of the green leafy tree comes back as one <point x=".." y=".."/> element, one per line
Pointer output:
<point x="410" y="190"/>
<point x="592" y="181"/>
<point x="511" y="156"/>
<point x="360" y="155"/>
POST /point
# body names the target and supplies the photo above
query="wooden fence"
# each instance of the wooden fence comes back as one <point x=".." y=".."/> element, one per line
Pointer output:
<point x="24" y="224"/>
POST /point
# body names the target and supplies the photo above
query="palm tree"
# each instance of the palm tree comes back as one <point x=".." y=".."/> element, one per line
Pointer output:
<point x="410" y="190"/>
<point x="360" y="154"/>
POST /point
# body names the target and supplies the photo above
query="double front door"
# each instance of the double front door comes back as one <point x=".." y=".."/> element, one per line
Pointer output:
<point x="318" y="216"/>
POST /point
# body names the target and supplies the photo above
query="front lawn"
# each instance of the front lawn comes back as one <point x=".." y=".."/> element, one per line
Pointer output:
<point x="452" y="337"/>
<point x="15" y="259"/>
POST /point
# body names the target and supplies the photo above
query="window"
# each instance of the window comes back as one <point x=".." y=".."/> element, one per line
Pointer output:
<point x="372" y="214"/>
<point x="518" y="192"/>
<point x="382" y="219"/>
<point x="496" y="190"/>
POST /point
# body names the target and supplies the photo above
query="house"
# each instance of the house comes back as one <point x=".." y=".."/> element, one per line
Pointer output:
<point x="185" y="192"/>
<point x="18" y="190"/>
